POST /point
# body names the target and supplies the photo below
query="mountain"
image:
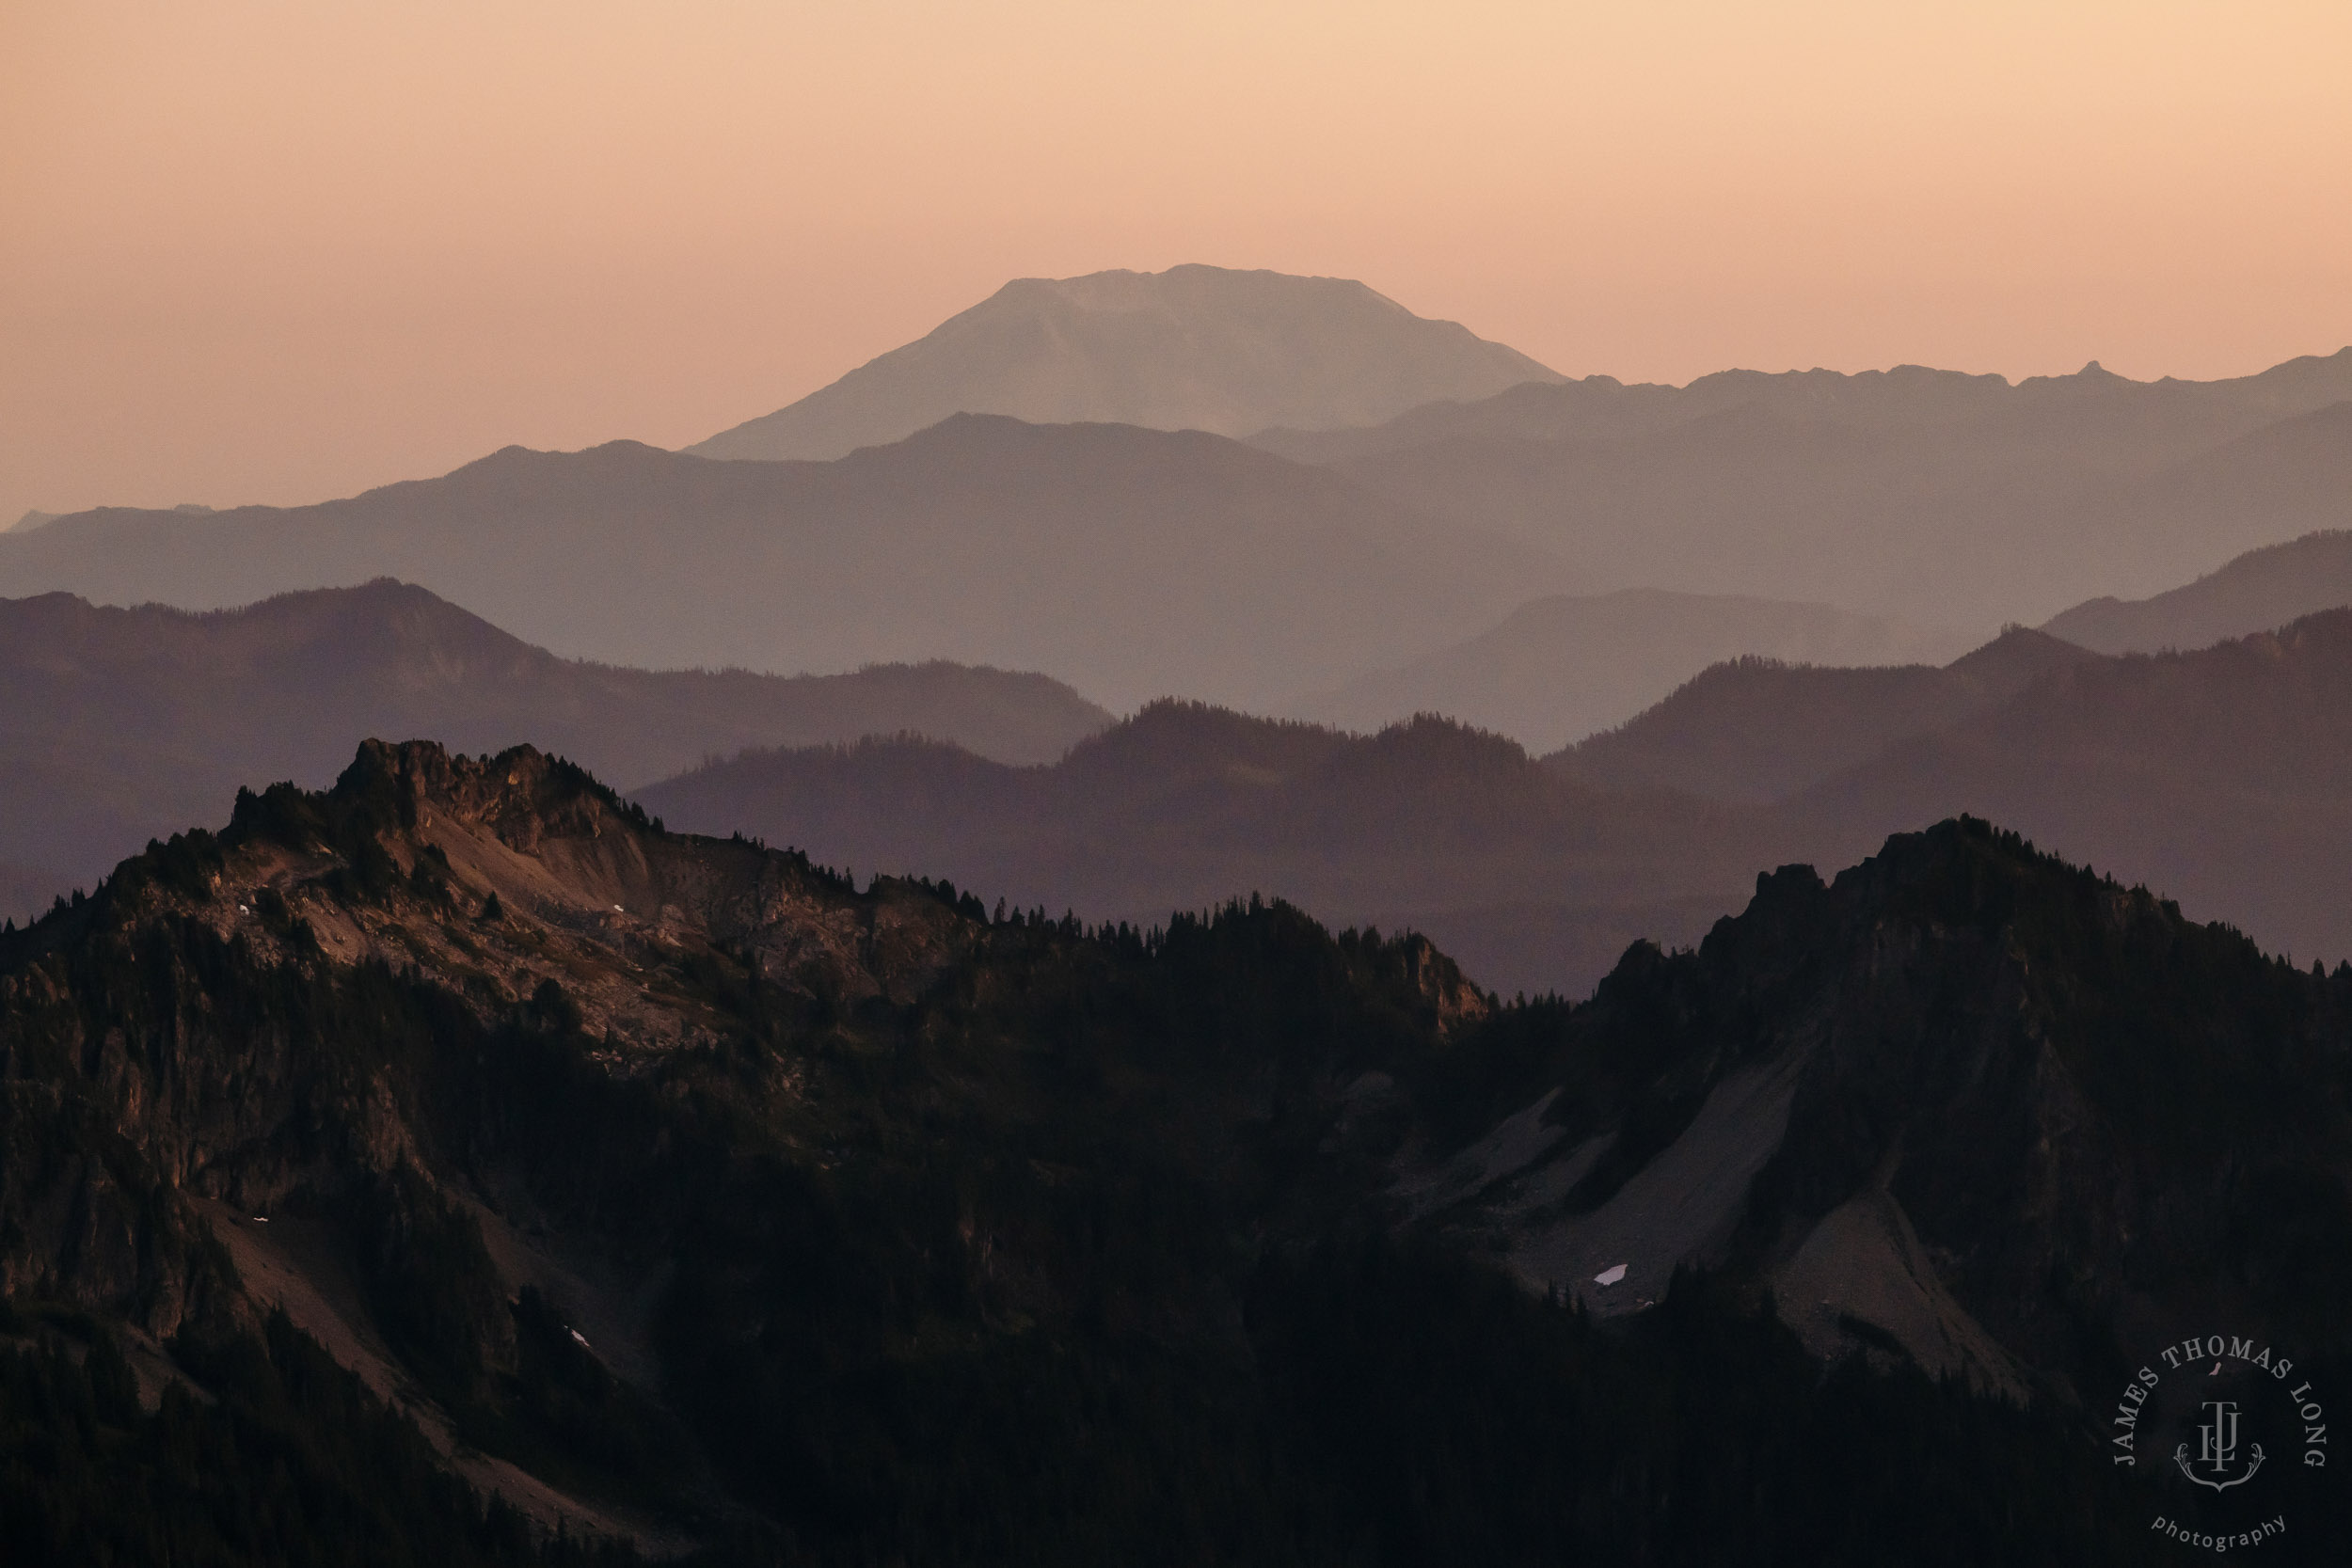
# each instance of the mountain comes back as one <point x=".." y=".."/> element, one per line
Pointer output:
<point x="1755" y="730"/>
<point x="1191" y="348"/>
<point x="2220" y="778"/>
<point x="1558" y="668"/>
<point x="1534" y="880"/>
<point x="1128" y="562"/>
<point x="458" y="1133"/>
<point x="1964" y="1102"/>
<point x="2258" y="590"/>
<point x="124" y="723"/>
<point x="1925" y="495"/>
<point x="2111" y="419"/>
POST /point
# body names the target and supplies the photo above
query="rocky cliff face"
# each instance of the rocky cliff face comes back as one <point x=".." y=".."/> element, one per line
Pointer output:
<point x="195" y="1009"/>
<point x="2007" y="1114"/>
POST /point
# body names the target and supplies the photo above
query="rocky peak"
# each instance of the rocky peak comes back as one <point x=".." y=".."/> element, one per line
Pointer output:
<point x="1996" y="1106"/>
<point x="520" y="795"/>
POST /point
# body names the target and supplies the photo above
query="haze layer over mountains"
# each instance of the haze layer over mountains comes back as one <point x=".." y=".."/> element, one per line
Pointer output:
<point x="1144" y="560"/>
<point x="1948" y="498"/>
<point x="1433" y="523"/>
<point x="2259" y="590"/>
<point x="2220" y="778"/>
<point x="1558" y="668"/>
<point x="1355" y="574"/>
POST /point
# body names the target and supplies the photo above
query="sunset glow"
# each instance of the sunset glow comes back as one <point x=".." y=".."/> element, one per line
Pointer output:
<point x="279" y="251"/>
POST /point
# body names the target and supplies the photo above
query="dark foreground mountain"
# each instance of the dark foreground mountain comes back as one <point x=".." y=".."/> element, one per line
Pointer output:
<point x="1191" y="348"/>
<point x="125" y="724"/>
<point x="1130" y="563"/>
<point x="460" y="1123"/>
<point x="1954" y="1106"/>
<point x="1558" y="668"/>
<point x="1925" y="495"/>
<point x="2257" y="592"/>
<point x="1534" y="879"/>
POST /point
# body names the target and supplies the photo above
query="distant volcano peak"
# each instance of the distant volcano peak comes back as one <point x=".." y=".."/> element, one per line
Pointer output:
<point x="1192" y="348"/>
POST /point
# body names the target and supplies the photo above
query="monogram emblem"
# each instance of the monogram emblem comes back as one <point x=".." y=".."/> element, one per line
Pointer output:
<point x="2215" y="1465"/>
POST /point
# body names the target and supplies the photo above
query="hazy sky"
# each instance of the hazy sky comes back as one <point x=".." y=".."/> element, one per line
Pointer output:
<point x="279" y="251"/>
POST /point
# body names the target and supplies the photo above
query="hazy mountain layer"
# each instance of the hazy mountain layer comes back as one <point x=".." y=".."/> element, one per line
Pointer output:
<point x="2106" y="418"/>
<point x="674" y="1189"/>
<point x="125" y="723"/>
<point x="1929" y="495"/>
<point x="1558" y="668"/>
<point x="1129" y="563"/>
<point x="1753" y="730"/>
<point x="1192" y="348"/>
<point x="1534" y="880"/>
<point x="2219" y="778"/>
<point x="2258" y="590"/>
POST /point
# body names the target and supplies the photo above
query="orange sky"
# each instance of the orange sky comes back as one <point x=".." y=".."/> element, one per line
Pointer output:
<point x="282" y="250"/>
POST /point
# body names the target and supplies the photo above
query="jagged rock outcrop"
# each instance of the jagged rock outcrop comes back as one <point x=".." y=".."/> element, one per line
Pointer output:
<point x="2006" y="1112"/>
<point x="467" y="1056"/>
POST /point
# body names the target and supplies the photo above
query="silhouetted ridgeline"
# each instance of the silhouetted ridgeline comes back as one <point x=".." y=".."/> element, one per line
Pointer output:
<point x="1131" y="563"/>
<point x="1757" y="730"/>
<point x="677" y="1187"/>
<point x="1536" y="881"/>
<point x="2257" y="592"/>
<point x="2221" y="778"/>
<point x="1929" y="495"/>
<point x="2218" y="777"/>
<point x="123" y="725"/>
<point x="1556" y="669"/>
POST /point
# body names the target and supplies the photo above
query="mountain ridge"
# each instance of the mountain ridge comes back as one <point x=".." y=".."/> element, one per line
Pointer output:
<point x="998" y="1205"/>
<point x="2258" y="590"/>
<point x="1132" y="561"/>
<point x="1860" y="490"/>
<point x="1561" y="668"/>
<point x="126" y="721"/>
<point x="2214" y="777"/>
<point x="1759" y="730"/>
<point x="1423" y="824"/>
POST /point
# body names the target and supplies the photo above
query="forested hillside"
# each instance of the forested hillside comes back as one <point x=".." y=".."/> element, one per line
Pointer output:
<point x="683" y="1189"/>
